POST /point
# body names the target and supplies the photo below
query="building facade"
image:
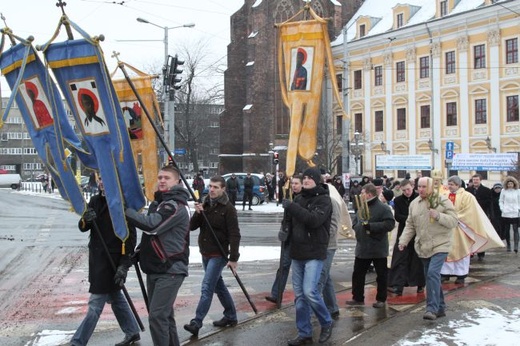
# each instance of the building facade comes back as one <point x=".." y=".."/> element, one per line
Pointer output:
<point x="421" y="73"/>
<point x="255" y="122"/>
<point x="17" y="152"/>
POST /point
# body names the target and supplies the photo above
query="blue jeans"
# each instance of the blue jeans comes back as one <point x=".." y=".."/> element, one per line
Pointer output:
<point x="326" y="286"/>
<point x="432" y="272"/>
<point x="96" y="303"/>
<point x="162" y="292"/>
<point x="306" y="274"/>
<point x="213" y="283"/>
<point x="282" y="275"/>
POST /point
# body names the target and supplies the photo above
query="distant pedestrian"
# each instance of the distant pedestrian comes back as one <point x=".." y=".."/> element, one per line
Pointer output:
<point x="249" y="184"/>
<point x="232" y="188"/>
<point x="198" y="184"/>
<point x="510" y="206"/>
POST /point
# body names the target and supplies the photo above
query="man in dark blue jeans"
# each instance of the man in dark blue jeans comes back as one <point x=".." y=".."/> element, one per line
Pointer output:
<point x="105" y="282"/>
<point x="222" y="217"/>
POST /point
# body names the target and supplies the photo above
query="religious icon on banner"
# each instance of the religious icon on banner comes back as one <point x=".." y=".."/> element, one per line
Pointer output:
<point x="302" y="61"/>
<point x="132" y="114"/>
<point x="87" y="103"/>
<point x="37" y="103"/>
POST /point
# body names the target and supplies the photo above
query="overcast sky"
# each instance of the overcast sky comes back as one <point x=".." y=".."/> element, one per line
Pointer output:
<point x="117" y="21"/>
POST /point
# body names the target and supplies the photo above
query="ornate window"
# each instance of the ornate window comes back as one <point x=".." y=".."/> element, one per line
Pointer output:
<point x="425" y="117"/>
<point x="450" y="62"/>
<point x="480" y="111"/>
<point x="512" y="51"/>
<point x="378" y="121"/>
<point x="378" y="75"/>
<point x="479" y="56"/>
<point x="424" y="66"/>
<point x="401" y="118"/>
<point x="400" y="71"/>
<point x="451" y="114"/>
<point x="512" y="108"/>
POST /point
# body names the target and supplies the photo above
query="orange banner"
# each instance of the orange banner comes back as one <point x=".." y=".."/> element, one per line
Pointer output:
<point x="142" y="135"/>
<point x="303" y="50"/>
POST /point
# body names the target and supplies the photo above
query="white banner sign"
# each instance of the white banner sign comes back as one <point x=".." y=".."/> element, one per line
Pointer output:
<point x="403" y="162"/>
<point x="484" y="162"/>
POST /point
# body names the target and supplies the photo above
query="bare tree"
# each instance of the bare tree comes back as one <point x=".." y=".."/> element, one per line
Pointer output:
<point x="199" y="91"/>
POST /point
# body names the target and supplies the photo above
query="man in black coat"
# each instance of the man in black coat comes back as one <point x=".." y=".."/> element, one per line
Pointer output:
<point x="309" y="215"/>
<point x="232" y="188"/>
<point x="249" y="183"/>
<point x="406" y="268"/>
<point x="371" y="246"/>
<point x="105" y="282"/>
<point x="484" y="199"/>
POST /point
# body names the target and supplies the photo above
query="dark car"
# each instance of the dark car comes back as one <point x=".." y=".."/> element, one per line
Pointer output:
<point x="259" y="190"/>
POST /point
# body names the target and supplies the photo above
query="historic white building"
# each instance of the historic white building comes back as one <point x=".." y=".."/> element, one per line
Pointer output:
<point x="419" y="73"/>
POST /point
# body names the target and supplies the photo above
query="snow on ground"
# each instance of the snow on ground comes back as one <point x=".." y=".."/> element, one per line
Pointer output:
<point x="480" y="327"/>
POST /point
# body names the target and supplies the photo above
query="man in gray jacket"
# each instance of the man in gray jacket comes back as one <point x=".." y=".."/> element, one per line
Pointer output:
<point x="432" y="219"/>
<point x="164" y="252"/>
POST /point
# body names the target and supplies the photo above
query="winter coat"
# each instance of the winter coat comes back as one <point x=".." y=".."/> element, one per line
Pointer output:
<point x="373" y="242"/>
<point x="483" y="195"/>
<point x="232" y="185"/>
<point x="431" y="236"/>
<point x="222" y="217"/>
<point x="249" y="183"/>
<point x="310" y="215"/>
<point x="401" y="207"/>
<point x="100" y="271"/>
<point x="509" y="203"/>
<point x="165" y="244"/>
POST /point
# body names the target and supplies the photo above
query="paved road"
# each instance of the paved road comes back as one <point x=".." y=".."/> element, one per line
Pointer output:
<point x="43" y="272"/>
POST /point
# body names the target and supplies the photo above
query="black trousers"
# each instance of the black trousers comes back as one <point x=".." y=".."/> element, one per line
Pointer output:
<point x="248" y="195"/>
<point x="358" y="278"/>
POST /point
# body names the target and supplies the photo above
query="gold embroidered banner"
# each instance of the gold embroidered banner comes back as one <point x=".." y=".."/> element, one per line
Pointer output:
<point x="303" y="50"/>
<point x="142" y="135"/>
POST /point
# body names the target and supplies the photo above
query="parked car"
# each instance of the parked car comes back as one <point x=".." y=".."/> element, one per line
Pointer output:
<point x="10" y="180"/>
<point x="259" y="190"/>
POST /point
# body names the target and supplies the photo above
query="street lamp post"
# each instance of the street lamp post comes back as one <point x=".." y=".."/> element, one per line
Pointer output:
<point x="356" y="149"/>
<point x="169" y="118"/>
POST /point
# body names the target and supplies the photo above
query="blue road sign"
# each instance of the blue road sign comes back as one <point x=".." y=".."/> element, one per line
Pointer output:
<point x="180" y="151"/>
<point x="450" y="146"/>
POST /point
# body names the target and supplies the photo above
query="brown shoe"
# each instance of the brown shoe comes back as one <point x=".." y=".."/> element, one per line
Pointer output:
<point x="354" y="302"/>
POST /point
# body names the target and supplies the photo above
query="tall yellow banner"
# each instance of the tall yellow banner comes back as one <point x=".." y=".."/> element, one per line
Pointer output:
<point x="142" y="135"/>
<point x="303" y="50"/>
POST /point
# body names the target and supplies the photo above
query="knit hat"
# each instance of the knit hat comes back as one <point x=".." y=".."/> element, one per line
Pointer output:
<point x="377" y="182"/>
<point x="388" y="194"/>
<point x="497" y="185"/>
<point x="314" y="174"/>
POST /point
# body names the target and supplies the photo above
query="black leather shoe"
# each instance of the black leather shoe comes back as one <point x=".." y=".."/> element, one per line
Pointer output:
<point x="325" y="333"/>
<point x="300" y="340"/>
<point x="271" y="299"/>
<point x="335" y="315"/>
<point x="193" y="328"/>
<point x="129" y="340"/>
<point x="224" y="322"/>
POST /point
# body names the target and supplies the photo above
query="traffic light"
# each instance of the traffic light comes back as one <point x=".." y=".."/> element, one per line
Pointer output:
<point x="174" y="72"/>
<point x="276" y="158"/>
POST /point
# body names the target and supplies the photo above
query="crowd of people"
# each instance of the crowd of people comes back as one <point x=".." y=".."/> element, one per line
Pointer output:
<point x="436" y="229"/>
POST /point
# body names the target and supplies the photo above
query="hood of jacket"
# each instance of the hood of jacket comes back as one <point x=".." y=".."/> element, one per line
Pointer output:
<point x="177" y="193"/>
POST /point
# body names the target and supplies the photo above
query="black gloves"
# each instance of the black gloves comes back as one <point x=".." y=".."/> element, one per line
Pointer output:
<point x="89" y="215"/>
<point x="122" y="271"/>
<point x="286" y="203"/>
<point x="366" y="226"/>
